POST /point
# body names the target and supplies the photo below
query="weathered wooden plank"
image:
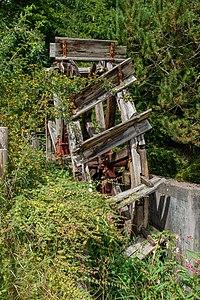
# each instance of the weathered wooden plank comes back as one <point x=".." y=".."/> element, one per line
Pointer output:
<point x="118" y="129"/>
<point x="106" y="85"/>
<point x="52" y="132"/>
<point x="3" y="149"/>
<point x="127" y="110"/>
<point x="85" y="107"/>
<point x="86" y="49"/>
<point x="75" y="139"/>
<point x="140" y="249"/>
<point x="3" y="160"/>
<point x="90" y="59"/>
<point x="52" y="49"/>
<point x="136" y="165"/>
<point x="3" y="137"/>
<point x="111" y="134"/>
<point x="110" y="111"/>
<point x="48" y="142"/>
<point x="141" y="192"/>
<point x="128" y="193"/>
<point x="100" y="116"/>
<point x="114" y="137"/>
<point x="144" y="163"/>
<point x="117" y="156"/>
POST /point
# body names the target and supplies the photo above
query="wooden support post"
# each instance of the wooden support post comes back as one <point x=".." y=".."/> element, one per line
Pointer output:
<point x="3" y="149"/>
<point x="111" y="104"/>
<point x="59" y="122"/>
<point x="3" y="160"/>
<point x="110" y="112"/>
<point x="145" y="173"/>
<point x="100" y="116"/>
<point x="48" y="142"/>
<point x="138" y="165"/>
<point x="3" y="137"/>
<point x="127" y="111"/>
<point x="80" y="171"/>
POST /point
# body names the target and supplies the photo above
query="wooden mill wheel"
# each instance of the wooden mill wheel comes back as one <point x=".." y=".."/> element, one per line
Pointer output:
<point x="116" y="156"/>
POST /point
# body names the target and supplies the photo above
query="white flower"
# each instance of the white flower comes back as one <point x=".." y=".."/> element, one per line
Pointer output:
<point x="90" y="190"/>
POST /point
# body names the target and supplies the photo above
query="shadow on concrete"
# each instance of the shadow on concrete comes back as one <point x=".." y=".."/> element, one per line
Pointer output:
<point x="159" y="211"/>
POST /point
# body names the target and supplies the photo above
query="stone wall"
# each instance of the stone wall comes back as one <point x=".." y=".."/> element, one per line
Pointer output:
<point x="176" y="207"/>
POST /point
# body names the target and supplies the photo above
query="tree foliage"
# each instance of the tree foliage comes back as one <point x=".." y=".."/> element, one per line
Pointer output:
<point x="163" y="39"/>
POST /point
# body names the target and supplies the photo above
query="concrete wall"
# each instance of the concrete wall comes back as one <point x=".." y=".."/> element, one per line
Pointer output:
<point x="176" y="207"/>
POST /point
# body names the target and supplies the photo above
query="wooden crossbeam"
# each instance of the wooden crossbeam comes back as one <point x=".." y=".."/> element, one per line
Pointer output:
<point x="66" y="48"/>
<point x="117" y="156"/>
<point x="114" y="137"/>
<point x="107" y="84"/>
<point x="129" y="196"/>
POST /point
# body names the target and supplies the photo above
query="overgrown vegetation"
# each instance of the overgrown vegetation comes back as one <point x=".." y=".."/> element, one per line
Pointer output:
<point x="59" y="239"/>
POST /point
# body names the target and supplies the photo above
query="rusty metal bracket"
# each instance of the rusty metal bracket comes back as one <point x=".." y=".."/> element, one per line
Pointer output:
<point x="64" y="48"/>
<point x="112" y="50"/>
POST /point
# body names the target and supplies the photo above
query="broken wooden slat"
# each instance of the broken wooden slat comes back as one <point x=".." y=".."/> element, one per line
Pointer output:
<point x="100" y="116"/>
<point x="140" y="249"/>
<point x="66" y="48"/>
<point x="127" y="110"/>
<point x="106" y="85"/>
<point x="52" y="131"/>
<point x="114" y="136"/>
<point x="75" y="139"/>
<point x="48" y="142"/>
<point x="138" y="192"/>
<point x="130" y="192"/>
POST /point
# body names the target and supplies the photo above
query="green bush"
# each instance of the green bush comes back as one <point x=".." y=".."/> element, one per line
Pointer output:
<point x="165" y="162"/>
<point x="54" y="239"/>
<point x="60" y="241"/>
<point x="191" y="172"/>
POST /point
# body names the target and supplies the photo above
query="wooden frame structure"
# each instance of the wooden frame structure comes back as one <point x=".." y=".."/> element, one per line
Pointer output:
<point x="94" y="156"/>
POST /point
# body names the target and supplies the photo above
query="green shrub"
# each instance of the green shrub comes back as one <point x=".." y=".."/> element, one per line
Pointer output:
<point x="191" y="172"/>
<point x="165" y="162"/>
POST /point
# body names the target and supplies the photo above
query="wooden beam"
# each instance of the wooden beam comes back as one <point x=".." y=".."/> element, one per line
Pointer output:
<point x="140" y="249"/>
<point x="3" y="149"/>
<point x="107" y="84"/>
<point x="3" y="137"/>
<point x="66" y="48"/>
<point x="141" y="191"/>
<point x="114" y="137"/>
<point x="52" y="132"/>
<point x="127" y="110"/>
<point x="117" y="156"/>
<point x="110" y="112"/>
<point x="3" y="160"/>
<point x="100" y="116"/>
